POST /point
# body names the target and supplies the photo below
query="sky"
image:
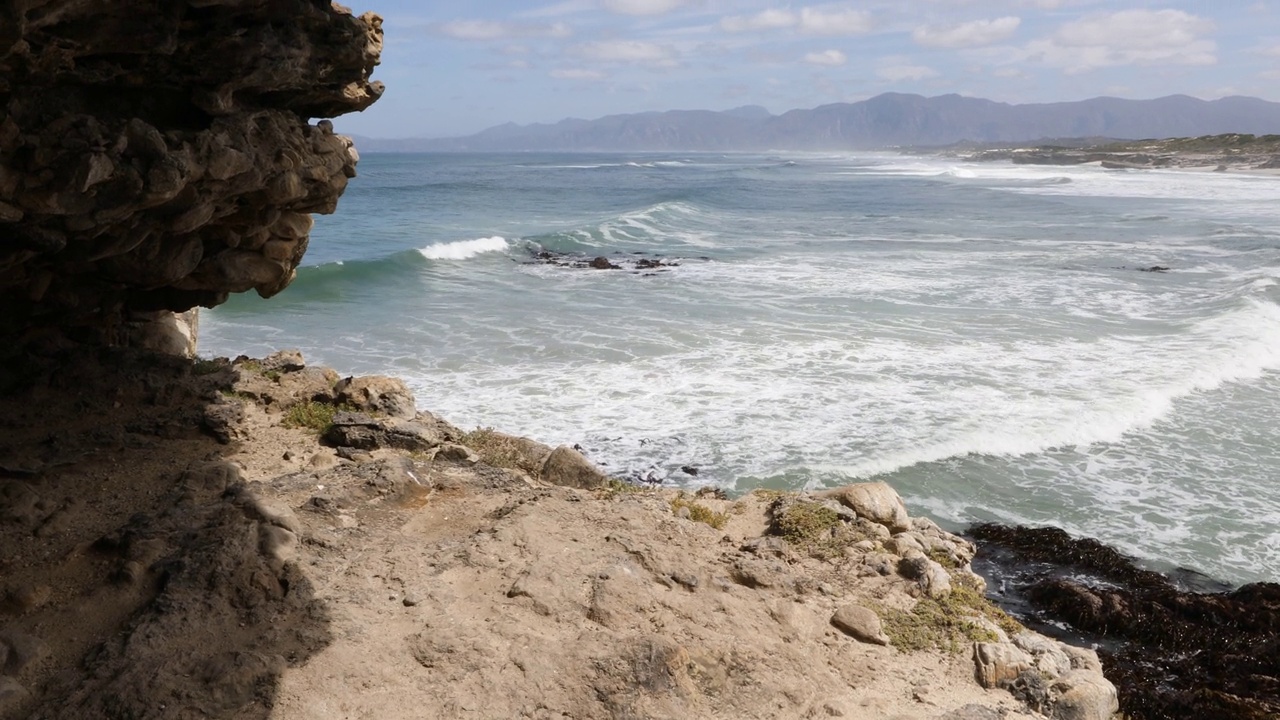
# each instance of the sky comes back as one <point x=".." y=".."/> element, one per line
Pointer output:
<point x="455" y="68"/>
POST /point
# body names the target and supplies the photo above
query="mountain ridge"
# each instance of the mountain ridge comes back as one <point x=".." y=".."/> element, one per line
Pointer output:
<point x="889" y="120"/>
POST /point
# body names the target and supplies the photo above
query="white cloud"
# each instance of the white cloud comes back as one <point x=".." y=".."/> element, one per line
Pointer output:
<point x="813" y="21"/>
<point x="834" y="22"/>
<point x="626" y="51"/>
<point x="1139" y="29"/>
<point x="494" y="30"/>
<point x="1009" y="72"/>
<point x="568" y="7"/>
<point x="766" y="20"/>
<point x="901" y="73"/>
<point x="1127" y="37"/>
<point x="1272" y="51"/>
<point x="578" y="74"/>
<point x="977" y="33"/>
<point x="830" y="58"/>
<point x="641" y="7"/>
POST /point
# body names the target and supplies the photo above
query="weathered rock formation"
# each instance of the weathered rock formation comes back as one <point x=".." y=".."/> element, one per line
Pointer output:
<point x="159" y="156"/>
<point x="1172" y="652"/>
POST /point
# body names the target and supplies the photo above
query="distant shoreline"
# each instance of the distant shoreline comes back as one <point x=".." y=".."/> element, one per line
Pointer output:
<point x="1236" y="153"/>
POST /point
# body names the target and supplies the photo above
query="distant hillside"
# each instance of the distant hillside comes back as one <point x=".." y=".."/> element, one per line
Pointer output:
<point x="889" y="120"/>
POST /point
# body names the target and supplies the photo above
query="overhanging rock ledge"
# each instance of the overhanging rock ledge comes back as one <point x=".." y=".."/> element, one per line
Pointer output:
<point x="158" y="156"/>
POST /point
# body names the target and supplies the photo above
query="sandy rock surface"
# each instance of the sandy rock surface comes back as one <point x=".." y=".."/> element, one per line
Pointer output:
<point x="185" y="560"/>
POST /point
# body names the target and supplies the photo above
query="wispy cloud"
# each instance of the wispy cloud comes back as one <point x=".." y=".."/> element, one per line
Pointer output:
<point x="488" y="30"/>
<point x="896" y="72"/>
<point x="583" y="74"/>
<point x="642" y="7"/>
<point x="765" y="20"/>
<point x="810" y="20"/>
<point x="635" y="52"/>
<point x="1127" y="37"/>
<point x="830" y="58"/>
<point x="835" y="22"/>
<point x="977" y="33"/>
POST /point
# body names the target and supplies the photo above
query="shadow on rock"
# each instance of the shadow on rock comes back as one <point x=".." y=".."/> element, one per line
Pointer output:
<point x="142" y="577"/>
<point x="1173" y="651"/>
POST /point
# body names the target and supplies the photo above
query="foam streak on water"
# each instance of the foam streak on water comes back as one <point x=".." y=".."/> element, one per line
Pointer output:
<point x="982" y="336"/>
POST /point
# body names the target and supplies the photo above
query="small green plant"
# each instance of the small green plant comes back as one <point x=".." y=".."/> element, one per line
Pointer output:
<point x="699" y="512"/>
<point x="946" y="623"/>
<point x="251" y="366"/>
<point x="500" y="450"/>
<point x="813" y="528"/>
<point x="311" y="415"/>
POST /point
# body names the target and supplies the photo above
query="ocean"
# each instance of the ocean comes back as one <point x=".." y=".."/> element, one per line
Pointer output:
<point x="987" y="338"/>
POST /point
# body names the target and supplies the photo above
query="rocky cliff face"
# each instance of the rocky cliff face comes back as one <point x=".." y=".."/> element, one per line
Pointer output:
<point x="158" y="156"/>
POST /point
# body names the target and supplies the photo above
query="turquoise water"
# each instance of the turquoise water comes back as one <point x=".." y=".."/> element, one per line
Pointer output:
<point x="980" y="336"/>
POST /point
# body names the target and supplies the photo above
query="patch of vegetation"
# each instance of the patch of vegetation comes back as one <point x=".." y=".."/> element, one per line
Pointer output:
<point x="499" y="450"/>
<point x="943" y="558"/>
<point x="699" y="512"/>
<point x="1205" y="143"/>
<point x="202" y="366"/>
<point x="945" y="623"/>
<point x="311" y="415"/>
<point x="768" y="494"/>
<point x="251" y="366"/>
<point x="238" y="395"/>
<point x="813" y="528"/>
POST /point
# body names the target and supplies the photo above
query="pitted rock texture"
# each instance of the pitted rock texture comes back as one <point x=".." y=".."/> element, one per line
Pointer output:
<point x="159" y="156"/>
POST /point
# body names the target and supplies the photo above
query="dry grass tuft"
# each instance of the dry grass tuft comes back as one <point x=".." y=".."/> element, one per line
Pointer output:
<point x="699" y="512"/>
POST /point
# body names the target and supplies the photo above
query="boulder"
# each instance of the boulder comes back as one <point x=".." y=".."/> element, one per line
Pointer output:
<point x="566" y="466"/>
<point x="1083" y="695"/>
<point x="166" y="332"/>
<point x="377" y="394"/>
<point x="934" y="579"/>
<point x="366" y="432"/>
<point x="1048" y="655"/>
<point x="877" y="502"/>
<point x="285" y="361"/>
<point x="861" y="624"/>
<point x="997" y="664"/>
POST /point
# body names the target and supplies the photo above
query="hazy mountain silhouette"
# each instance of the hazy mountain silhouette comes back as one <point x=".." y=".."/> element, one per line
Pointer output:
<point x="888" y="120"/>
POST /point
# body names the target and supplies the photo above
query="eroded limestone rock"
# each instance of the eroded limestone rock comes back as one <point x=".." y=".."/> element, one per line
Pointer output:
<point x="159" y="156"/>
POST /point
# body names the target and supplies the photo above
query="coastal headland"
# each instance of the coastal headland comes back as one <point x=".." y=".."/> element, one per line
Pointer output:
<point x="1234" y="152"/>
<point x="261" y="538"/>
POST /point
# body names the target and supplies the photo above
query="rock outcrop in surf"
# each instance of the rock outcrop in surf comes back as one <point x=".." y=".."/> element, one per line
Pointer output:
<point x="1172" y="652"/>
<point x="156" y="157"/>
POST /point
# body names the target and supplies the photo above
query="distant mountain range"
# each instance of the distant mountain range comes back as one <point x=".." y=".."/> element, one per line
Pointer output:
<point x="884" y="121"/>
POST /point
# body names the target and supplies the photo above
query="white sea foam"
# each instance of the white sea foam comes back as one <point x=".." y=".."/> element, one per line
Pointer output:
<point x="995" y="354"/>
<point x="463" y="249"/>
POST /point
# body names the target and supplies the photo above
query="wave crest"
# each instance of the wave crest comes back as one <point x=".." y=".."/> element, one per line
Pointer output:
<point x="463" y="249"/>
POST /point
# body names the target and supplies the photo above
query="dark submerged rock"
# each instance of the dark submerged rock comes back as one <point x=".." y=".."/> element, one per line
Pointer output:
<point x="1172" y="652"/>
